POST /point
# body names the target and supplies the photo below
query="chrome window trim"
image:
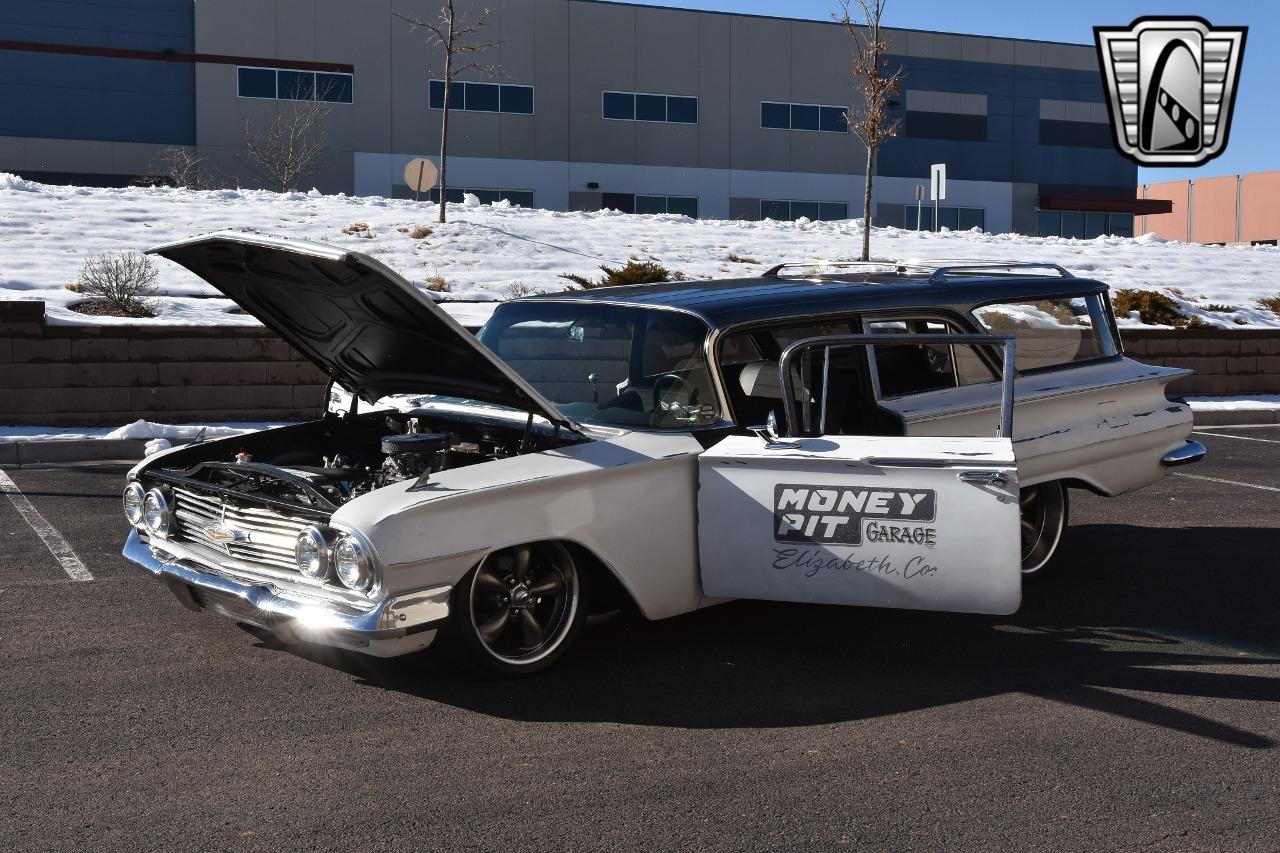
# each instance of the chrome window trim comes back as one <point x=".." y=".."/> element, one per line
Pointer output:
<point x="1007" y="342"/>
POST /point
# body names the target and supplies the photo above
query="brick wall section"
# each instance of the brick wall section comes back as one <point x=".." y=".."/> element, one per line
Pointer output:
<point x="1245" y="361"/>
<point x="111" y="375"/>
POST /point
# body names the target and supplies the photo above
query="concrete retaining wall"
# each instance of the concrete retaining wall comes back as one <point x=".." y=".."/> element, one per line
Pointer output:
<point x="111" y="375"/>
<point x="1245" y="361"/>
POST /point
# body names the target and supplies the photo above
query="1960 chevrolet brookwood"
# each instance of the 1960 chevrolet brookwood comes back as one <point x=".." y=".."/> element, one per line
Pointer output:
<point x="882" y="435"/>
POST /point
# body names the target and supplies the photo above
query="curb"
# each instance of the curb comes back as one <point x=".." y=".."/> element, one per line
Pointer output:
<point x="30" y="454"/>
<point x="1236" y="417"/>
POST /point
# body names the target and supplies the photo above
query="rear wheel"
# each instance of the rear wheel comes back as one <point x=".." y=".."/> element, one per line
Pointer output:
<point x="1043" y="509"/>
<point x="519" y="610"/>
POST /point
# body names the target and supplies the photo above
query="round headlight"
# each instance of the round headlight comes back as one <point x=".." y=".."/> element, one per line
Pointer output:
<point x="312" y="553"/>
<point x="156" y="513"/>
<point x="134" y="495"/>
<point x="351" y="559"/>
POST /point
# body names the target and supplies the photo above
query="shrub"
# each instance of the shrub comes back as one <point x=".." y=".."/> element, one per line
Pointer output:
<point x="517" y="290"/>
<point x="420" y="232"/>
<point x="741" y="259"/>
<point x="437" y="284"/>
<point x="126" y="282"/>
<point x="635" y="272"/>
<point x="1270" y="303"/>
<point x="1219" y="308"/>
<point x="359" y="229"/>
<point x="1153" y="307"/>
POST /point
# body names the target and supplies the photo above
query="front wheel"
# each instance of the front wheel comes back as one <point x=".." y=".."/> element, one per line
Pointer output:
<point x="1043" y="508"/>
<point x="519" y="610"/>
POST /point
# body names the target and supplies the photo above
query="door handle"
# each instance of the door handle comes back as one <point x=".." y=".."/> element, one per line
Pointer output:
<point x="985" y="478"/>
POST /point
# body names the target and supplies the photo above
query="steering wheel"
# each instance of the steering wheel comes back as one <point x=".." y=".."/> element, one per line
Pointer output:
<point x="671" y="382"/>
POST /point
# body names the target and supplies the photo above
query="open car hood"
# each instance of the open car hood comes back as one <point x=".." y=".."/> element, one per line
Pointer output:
<point x="367" y="327"/>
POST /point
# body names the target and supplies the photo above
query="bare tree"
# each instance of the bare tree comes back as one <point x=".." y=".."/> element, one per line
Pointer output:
<point x="458" y="41"/>
<point x="870" y="119"/>
<point x="180" y="166"/>
<point x="293" y="145"/>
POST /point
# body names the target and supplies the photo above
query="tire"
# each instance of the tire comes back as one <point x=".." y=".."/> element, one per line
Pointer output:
<point x="520" y="610"/>
<point x="1044" y="509"/>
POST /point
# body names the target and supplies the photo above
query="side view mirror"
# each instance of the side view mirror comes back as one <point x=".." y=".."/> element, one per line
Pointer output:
<point x="768" y="433"/>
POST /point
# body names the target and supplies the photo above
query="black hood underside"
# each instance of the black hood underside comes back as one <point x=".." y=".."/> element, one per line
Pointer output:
<point x="365" y="326"/>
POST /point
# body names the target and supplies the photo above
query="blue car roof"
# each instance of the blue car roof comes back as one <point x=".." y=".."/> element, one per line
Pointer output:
<point x="723" y="303"/>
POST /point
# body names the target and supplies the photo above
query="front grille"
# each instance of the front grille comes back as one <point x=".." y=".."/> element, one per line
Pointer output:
<point x="268" y="536"/>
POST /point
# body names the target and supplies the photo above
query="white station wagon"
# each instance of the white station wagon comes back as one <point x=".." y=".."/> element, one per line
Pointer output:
<point x="879" y="435"/>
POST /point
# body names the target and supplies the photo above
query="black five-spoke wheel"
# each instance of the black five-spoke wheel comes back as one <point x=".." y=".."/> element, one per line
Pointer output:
<point x="521" y="608"/>
<point x="1043" y="508"/>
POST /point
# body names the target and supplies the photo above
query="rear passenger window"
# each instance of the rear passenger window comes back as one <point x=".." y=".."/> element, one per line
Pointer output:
<point x="1052" y="332"/>
<point x="915" y="368"/>
<point x="787" y="336"/>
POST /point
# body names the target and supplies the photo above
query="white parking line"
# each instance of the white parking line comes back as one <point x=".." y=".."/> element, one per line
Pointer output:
<point x="52" y="539"/>
<point x="1220" y="480"/>
<point x="1241" y="437"/>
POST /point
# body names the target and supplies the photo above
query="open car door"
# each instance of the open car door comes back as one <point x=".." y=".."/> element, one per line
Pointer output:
<point x="924" y="523"/>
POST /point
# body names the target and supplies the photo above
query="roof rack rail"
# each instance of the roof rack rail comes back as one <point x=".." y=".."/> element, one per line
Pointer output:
<point x="940" y="274"/>
<point x="896" y="266"/>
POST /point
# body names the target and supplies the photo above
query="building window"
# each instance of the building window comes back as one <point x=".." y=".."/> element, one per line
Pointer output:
<point x="784" y="210"/>
<point x="482" y="97"/>
<point x="960" y="127"/>
<point x="629" y="203"/>
<point x="518" y="198"/>
<point x="638" y="106"/>
<point x="803" y="117"/>
<point x="289" y="85"/>
<point x="954" y="218"/>
<point x="1083" y="225"/>
<point x="1075" y="134"/>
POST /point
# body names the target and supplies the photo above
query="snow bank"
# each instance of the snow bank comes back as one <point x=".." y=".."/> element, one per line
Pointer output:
<point x="137" y="430"/>
<point x="486" y="252"/>
<point x="1248" y="402"/>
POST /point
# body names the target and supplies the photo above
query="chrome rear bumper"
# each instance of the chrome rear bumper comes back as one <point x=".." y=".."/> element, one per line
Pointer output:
<point x="1192" y="451"/>
<point x="387" y="627"/>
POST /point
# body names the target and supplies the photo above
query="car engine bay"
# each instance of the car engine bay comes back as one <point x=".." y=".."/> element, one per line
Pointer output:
<point x="324" y="464"/>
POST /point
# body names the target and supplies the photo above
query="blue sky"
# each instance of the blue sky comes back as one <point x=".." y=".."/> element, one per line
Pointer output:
<point x="1255" y="129"/>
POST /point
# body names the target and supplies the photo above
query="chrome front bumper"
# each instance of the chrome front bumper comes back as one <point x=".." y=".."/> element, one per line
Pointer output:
<point x="387" y="627"/>
<point x="1192" y="451"/>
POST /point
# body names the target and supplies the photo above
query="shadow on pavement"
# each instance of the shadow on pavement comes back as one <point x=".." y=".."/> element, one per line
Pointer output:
<point x="1125" y="603"/>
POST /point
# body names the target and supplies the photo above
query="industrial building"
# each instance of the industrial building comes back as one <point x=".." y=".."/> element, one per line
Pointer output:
<point x="593" y="104"/>
<point x="1226" y="210"/>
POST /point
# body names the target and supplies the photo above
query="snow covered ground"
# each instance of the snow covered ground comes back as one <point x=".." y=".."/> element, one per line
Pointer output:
<point x="1245" y="402"/>
<point x="181" y="433"/>
<point x="138" y="430"/>
<point x="489" y="252"/>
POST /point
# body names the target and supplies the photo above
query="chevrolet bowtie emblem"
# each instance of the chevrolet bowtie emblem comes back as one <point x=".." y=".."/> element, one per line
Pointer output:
<point x="1171" y="84"/>
<point x="223" y="534"/>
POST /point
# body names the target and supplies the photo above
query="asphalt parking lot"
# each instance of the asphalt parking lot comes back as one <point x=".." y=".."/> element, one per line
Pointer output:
<point x="1134" y="702"/>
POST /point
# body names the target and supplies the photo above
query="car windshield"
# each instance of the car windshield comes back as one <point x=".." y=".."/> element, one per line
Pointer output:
<point x="617" y="365"/>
